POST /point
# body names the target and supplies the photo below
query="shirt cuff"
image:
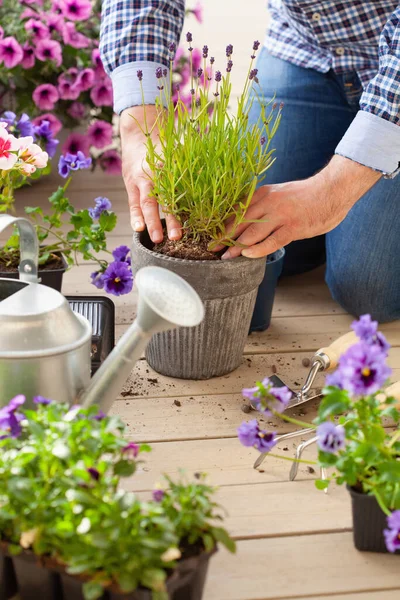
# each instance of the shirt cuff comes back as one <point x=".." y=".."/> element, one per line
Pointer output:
<point x="127" y="89"/>
<point x="373" y="142"/>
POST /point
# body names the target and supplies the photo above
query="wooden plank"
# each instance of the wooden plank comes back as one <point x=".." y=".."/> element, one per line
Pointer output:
<point x="225" y="461"/>
<point x="299" y="567"/>
<point x="377" y="595"/>
<point x="197" y="417"/>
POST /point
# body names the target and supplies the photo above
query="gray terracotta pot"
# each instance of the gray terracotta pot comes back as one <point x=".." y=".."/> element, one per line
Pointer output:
<point x="228" y="290"/>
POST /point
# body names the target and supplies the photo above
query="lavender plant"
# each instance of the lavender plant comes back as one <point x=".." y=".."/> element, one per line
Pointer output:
<point x="208" y="160"/>
<point x="60" y="496"/>
<point x="351" y="436"/>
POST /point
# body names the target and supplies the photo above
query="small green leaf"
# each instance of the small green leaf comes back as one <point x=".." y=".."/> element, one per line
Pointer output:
<point x="124" y="468"/>
<point x="92" y="590"/>
<point x="222" y="536"/>
<point x="321" y="484"/>
<point x="108" y="220"/>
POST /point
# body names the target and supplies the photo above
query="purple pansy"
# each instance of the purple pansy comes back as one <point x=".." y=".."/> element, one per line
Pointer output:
<point x="268" y="399"/>
<point x="118" y="278"/>
<point x="367" y="330"/>
<point x="131" y="450"/>
<point x="120" y="254"/>
<point x="392" y="534"/>
<point x="250" y="434"/>
<point x="44" y="131"/>
<point x="97" y="279"/>
<point x="331" y="437"/>
<point x="10" y="419"/>
<point x="73" y="162"/>
<point x="101" y="204"/>
<point x="362" y="370"/>
<point x="100" y="416"/>
<point x="158" y="495"/>
<point x="41" y="400"/>
<point x="94" y="473"/>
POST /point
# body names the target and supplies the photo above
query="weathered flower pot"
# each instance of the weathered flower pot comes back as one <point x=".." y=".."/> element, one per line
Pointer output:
<point x="51" y="277"/>
<point x="228" y="290"/>
<point x="369" y="521"/>
<point x="36" y="579"/>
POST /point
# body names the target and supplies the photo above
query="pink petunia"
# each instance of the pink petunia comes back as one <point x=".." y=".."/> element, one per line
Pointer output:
<point x="68" y="90"/>
<point x="76" y="10"/>
<point x="76" y="142"/>
<point x="110" y="162"/>
<point x="55" y="124"/>
<point x="102" y="94"/>
<point x="73" y="38"/>
<point x="11" y="52"/>
<point x="28" y="60"/>
<point x="85" y="79"/>
<point x="28" y="13"/>
<point x="100" y="134"/>
<point x="55" y="23"/>
<point x="198" y="12"/>
<point x="77" y="111"/>
<point x="98" y="65"/>
<point x="49" y="50"/>
<point x="37" y="29"/>
<point x="45" y="96"/>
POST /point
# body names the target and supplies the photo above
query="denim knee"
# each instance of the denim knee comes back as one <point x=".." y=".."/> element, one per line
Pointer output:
<point x="361" y="293"/>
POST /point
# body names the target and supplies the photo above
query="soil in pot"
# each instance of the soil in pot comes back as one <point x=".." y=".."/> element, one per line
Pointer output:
<point x="50" y="274"/>
<point x="187" y="248"/>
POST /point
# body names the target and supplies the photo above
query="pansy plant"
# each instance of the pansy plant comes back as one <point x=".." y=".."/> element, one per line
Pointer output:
<point x="353" y="439"/>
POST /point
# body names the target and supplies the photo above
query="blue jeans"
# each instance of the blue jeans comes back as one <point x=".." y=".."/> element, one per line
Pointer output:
<point x="362" y="254"/>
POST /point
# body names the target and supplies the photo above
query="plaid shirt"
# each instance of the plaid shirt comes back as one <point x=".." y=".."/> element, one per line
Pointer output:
<point x="343" y="35"/>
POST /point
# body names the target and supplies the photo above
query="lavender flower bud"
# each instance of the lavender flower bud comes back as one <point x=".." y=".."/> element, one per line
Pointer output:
<point x="205" y="51"/>
<point x="229" y="66"/>
<point x="212" y="60"/>
<point x="189" y="37"/>
<point x="160" y="87"/>
<point x="159" y="73"/>
<point x="263" y="140"/>
<point x="198" y="102"/>
<point x="274" y="106"/>
<point x="253" y="73"/>
<point x="256" y="45"/>
<point x="172" y="48"/>
<point x="139" y="75"/>
<point x="281" y="105"/>
<point x="218" y="76"/>
<point x="229" y="50"/>
<point x="192" y="91"/>
<point x="199" y="73"/>
<point x="165" y="72"/>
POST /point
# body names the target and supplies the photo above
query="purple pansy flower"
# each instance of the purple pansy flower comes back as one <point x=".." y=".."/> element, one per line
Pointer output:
<point x="392" y="534"/>
<point x="362" y="370"/>
<point x="44" y="131"/>
<point x="41" y="400"/>
<point x="97" y="279"/>
<point x="94" y="473"/>
<point x="250" y="434"/>
<point x="73" y="162"/>
<point x="158" y="495"/>
<point x="367" y="330"/>
<point x="118" y="278"/>
<point x="266" y="398"/>
<point x="331" y="437"/>
<point x="100" y="416"/>
<point x="120" y="254"/>
<point x="10" y="419"/>
<point x="101" y="204"/>
<point x="131" y="450"/>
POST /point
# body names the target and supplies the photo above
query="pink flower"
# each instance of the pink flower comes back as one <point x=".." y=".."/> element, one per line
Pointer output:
<point x="37" y="28"/>
<point x="76" y="142"/>
<point x="100" y="134"/>
<point x="28" y="60"/>
<point x="85" y="79"/>
<point x="110" y="162"/>
<point x="198" y="11"/>
<point x="32" y="157"/>
<point x="49" y="50"/>
<point x="55" y="124"/>
<point x="28" y="13"/>
<point x="55" y="22"/>
<point x="102" y="94"/>
<point x="11" y="52"/>
<point x="7" y="145"/>
<point x="45" y="96"/>
<point x="68" y="90"/>
<point x="77" y="111"/>
<point x="71" y="75"/>
<point x="76" y="10"/>
<point x="73" y="38"/>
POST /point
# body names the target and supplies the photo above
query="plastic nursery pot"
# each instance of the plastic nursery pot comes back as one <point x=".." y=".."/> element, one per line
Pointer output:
<point x="34" y="580"/>
<point x="228" y="289"/>
<point x="8" y="583"/>
<point x="50" y="277"/>
<point x="369" y="521"/>
<point x="261" y="318"/>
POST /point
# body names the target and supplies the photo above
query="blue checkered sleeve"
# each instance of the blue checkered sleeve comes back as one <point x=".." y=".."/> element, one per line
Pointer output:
<point x="373" y="139"/>
<point x="136" y="34"/>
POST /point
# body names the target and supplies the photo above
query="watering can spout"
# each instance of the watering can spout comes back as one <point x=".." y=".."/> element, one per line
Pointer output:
<point x="166" y="301"/>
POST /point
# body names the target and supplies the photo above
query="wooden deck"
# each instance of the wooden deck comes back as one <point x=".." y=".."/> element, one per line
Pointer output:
<point x="293" y="541"/>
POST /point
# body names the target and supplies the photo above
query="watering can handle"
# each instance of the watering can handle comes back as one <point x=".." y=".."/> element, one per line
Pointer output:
<point x="29" y="247"/>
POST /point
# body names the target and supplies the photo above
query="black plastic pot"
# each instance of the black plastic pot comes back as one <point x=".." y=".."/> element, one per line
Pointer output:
<point x="34" y="580"/>
<point x="261" y="318"/>
<point x="369" y="521"/>
<point x="50" y="277"/>
<point x="228" y="289"/>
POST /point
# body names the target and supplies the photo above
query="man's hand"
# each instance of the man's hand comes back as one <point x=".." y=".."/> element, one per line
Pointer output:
<point x="144" y="210"/>
<point x="301" y="209"/>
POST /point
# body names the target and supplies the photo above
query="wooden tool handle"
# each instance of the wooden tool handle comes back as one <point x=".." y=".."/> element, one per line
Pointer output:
<point x="336" y="348"/>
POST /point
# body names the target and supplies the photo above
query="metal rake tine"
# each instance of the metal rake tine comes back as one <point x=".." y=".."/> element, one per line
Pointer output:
<point x="284" y="436"/>
<point x="299" y="451"/>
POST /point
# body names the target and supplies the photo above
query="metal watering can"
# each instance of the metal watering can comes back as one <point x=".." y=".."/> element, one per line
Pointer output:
<point x="45" y="346"/>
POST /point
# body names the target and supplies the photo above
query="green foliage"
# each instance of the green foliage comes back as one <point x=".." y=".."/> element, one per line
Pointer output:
<point x="60" y="494"/>
<point x="208" y="161"/>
